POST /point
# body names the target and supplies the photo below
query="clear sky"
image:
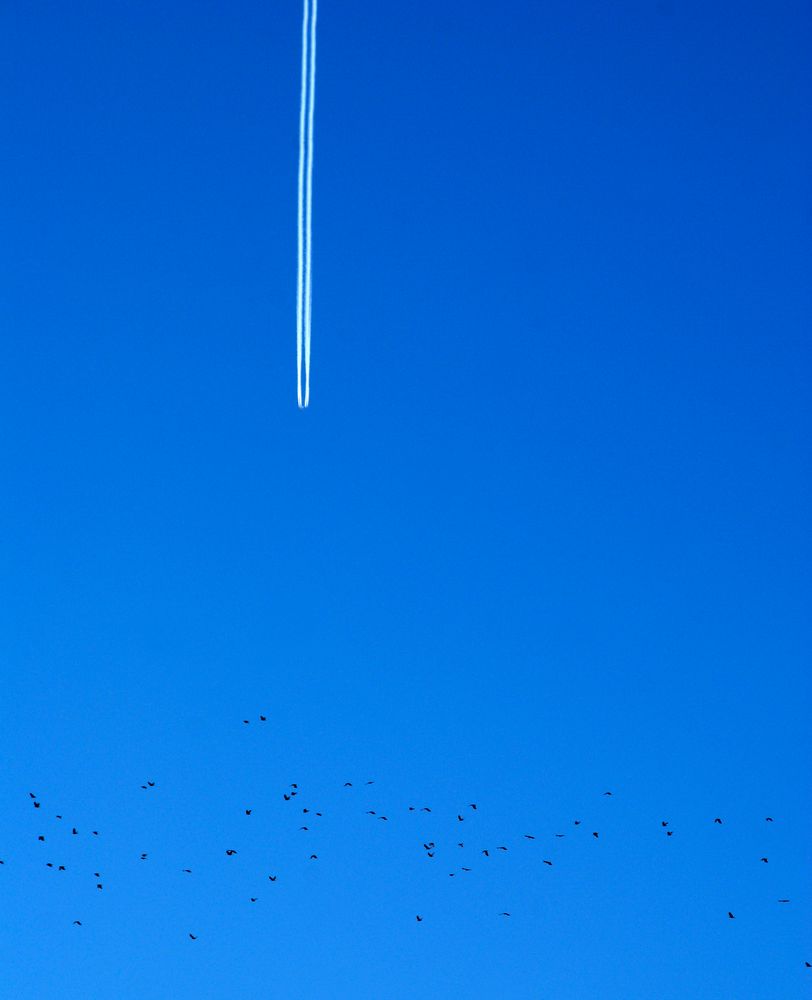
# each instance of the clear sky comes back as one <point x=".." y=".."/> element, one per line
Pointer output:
<point x="543" y="532"/>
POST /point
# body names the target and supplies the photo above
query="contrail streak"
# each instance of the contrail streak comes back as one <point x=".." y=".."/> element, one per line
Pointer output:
<point x="305" y="201"/>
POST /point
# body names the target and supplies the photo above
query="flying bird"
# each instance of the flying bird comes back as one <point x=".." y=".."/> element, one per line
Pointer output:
<point x="231" y="852"/>
<point x="466" y="869"/>
<point x="188" y="871"/>
<point x="314" y="857"/>
<point x="41" y="838"/>
<point x="472" y="805"/>
<point x="77" y="923"/>
<point x="717" y="820"/>
<point x="607" y="793"/>
<point x="783" y="900"/>
<point x="765" y="860"/>
<point x="419" y="919"/>
<point x="247" y="812"/>
<point x="273" y="878"/>
<point x="487" y="855"/>
<point x="262" y="718"/>
<point x="768" y="819"/>
<point x="253" y="899"/>
<point x="504" y="914"/>
<point x="144" y="857"/>
<point x="193" y="937"/>
<point x="548" y="863"/>
<point x="595" y="835"/>
<point x="529" y="836"/>
<point x="501" y="848"/>
<point x="732" y="917"/>
<point x="459" y="819"/>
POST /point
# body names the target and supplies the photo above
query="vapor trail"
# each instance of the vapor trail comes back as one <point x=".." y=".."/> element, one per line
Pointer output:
<point x="305" y="201"/>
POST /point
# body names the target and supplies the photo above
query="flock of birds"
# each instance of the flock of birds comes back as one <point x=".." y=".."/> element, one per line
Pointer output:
<point x="429" y="847"/>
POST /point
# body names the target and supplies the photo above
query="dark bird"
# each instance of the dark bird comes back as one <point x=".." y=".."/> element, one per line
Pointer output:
<point x="262" y="718"/>
<point x="504" y="914"/>
<point x="425" y="809"/>
<point x="247" y="812"/>
<point x="188" y="871"/>
<point x="765" y="860"/>
<point x="253" y="899"/>
<point x="41" y="838"/>
<point x="577" y="822"/>
<point x="486" y="853"/>
<point x="429" y="845"/>
<point x="664" y="823"/>
<point x="460" y="844"/>
<point x="411" y="809"/>
<point x="303" y="828"/>
<point x="472" y="805"/>
<point x="74" y="831"/>
<point x="529" y="836"/>
<point x="383" y="817"/>
<point x="669" y="833"/>
<point x="501" y="848"/>
<point x="59" y="817"/>
<point x="808" y="965"/>
<point x="305" y="810"/>
<point x="95" y="833"/>
<point x="99" y="885"/>
<point x="49" y="864"/>
<point x="77" y="923"/>
<point x="97" y="874"/>
<point x="370" y="782"/>
<point x="783" y="900"/>
<point x="607" y="793"/>
<point x="768" y="819"/>
<point x="293" y="784"/>
<point x="319" y="814"/>
<point x="245" y="722"/>
<point x="419" y="919"/>
<point x="231" y="853"/>
<point x="466" y="869"/>
<point x="451" y="874"/>
<point x="32" y="795"/>
<point x="314" y="857"/>
<point x="717" y="820"/>
<point x="430" y="854"/>
<point x="348" y="784"/>
<point x="193" y="937"/>
<point x="151" y="784"/>
<point x="370" y="812"/>
<point x="36" y="805"/>
<point x="273" y="878"/>
<point x="595" y="835"/>
<point x="286" y="797"/>
<point x="548" y="863"/>
<point x="61" y="868"/>
<point x="561" y="835"/>
<point x="144" y="857"/>
<point x="459" y="818"/>
<point x="732" y="917"/>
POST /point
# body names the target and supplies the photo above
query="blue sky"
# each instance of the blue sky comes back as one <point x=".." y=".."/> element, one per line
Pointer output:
<point x="541" y="533"/>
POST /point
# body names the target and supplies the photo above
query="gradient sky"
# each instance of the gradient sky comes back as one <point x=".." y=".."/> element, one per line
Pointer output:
<point x="542" y="533"/>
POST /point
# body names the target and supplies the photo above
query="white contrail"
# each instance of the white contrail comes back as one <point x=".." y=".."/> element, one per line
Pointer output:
<point x="305" y="202"/>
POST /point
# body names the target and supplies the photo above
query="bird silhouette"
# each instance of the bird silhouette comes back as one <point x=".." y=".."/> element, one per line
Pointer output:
<point x="77" y="923"/>
<point x="529" y="836"/>
<point x="193" y="937"/>
<point x="144" y="857"/>
<point x="253" y="899"/>
<point x="472" y="805"/>
<point x="262" y="718"/>
<point x="430" y="854"/>
<point x="768" y="819"/>
<point x="188" y="871"/>
<point x="504" y="914"/>
<point x="231" y="852"/>
<point x="99" y="885"/>
<point x="548" y="863"/>
<point x="669" y="833"/>
<point x="783" y="900"/>
<point x="248" y="812"/>
<point x="74" y="831"/>
<point x="607" y="793"/>
<point x="272" y="878"/>
<point x="765" y="860"/>
<point x="732" y="917"/>
<point x="718" y="820"/>
<point x="501" y="848"/>
<point x="486" y="853"/>
<point x="425" y="809"/>
<point x="460" y="844"/>
<point x="348" y="784"/>
<point x="41" y="839"/>
<point x="595" y="835"/>
<point x="466" y="869"/>
<point x="314" y="857"/>
<point x="419" y="919"/>
<point x="36" y="805"/>
<point x="459" y="819"/>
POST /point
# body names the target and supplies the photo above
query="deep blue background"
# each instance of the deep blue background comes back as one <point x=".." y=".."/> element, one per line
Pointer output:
<point x="541" y="533"/>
